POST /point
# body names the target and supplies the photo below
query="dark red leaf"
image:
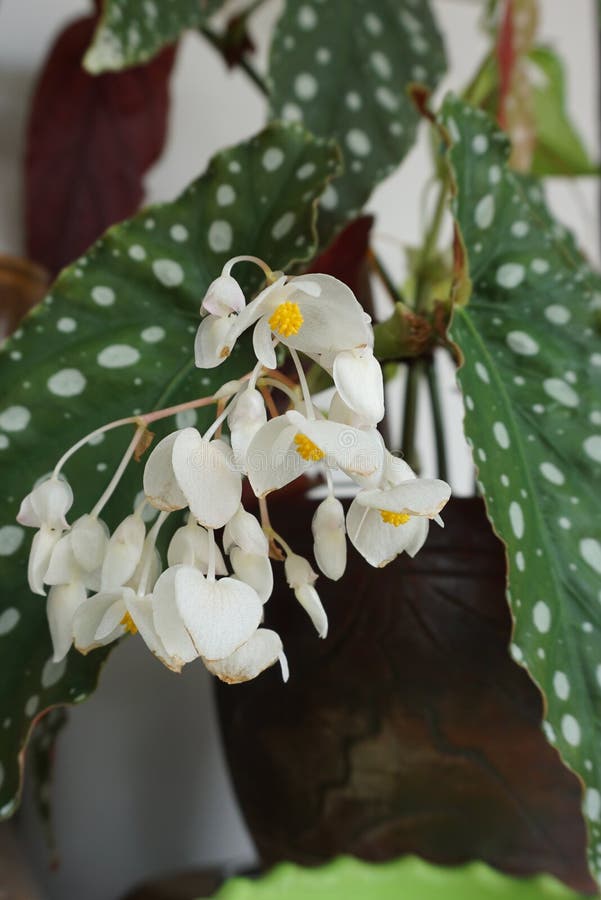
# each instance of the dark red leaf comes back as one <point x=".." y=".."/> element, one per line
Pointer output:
<point x="90" y="141"/>
<point x="346" y="258"/>
<point x="409" y="729"/>
<point x="506" y="57"/>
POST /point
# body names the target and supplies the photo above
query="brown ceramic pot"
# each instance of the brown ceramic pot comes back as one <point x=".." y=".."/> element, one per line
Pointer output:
<point x="409" y="729"/>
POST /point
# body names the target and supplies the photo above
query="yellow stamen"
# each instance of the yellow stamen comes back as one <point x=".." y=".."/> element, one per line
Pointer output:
<point x="394" y="518"/>
<point x="307" y="449"/>
<point x="287" y="319"/>
<point x="129" y="624"/>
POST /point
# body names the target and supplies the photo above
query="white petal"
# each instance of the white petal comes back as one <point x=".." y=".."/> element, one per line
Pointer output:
<point x="219" y="615"/>
<point x="246" y="532"/>
<point x="123" y="553"/>
<point x="379" y="542"/>
<point x="308" y="598"/>
<point x="359" y="453"/>
<point x="329" y="535"/>
<point x="418" y="497"/>
<point x="245" y="420"/>
<point x="224" y="296"/>
<point x="47" y="504"/>
<point x="358" y="379"/>
<point x="272" y="460"/>
<point x="254" y="569"/>
<point x="168" y="623"/>
<point x="90" y="615"/>
<point x="160" y="485"/>
<point x="205" y="473"/>
<point x="262" y="650"/>
<point x="396" y="470"/>
<point x="62" y="568"/>
<point x="141" y="612"/>
<point x="111" y="623"/>
<point x="210" y="345"/>
<point x="340" y="412"/>
<point x="39" y="557"/>
<point x="263" y="343"/>
<point x="298" y="571"/>
<point x="148" y="569"/>
<point x="333" y="319"/>
<point x="189" y="546"/>
<point x="61" y="606"/>
<point x="89" y="541"/>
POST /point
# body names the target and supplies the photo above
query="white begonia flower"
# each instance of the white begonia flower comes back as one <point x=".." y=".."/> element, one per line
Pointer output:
<point x="316" y="314"/>
<point x="254" y="569"/>
<point x="61" y="607"/>
<point x="329" y="535"/>
<point x="160" y="484"/>
<point x="262" y="650"/>
<point x="340" y="412"/>
<point x="167" y="622"/>
<point x="219" y="616"/>
<point x="44" y="542"/>
<point x="301" y="578"/>
<point x="359" y="382"/>
<point x="45" y="508"/>
<point x="245" y="531"/>
<point x="223" y="297"/>
<point x="68" y="582"/>
<point x="108" y="616"/>
<point x="287" y="446"/>
<point x="248" y="415"/>
<point x="89" y="541"/>
<point x="189" y="546"/>
<point x="384" y="522"/>
<point x="47" y="505"/>
<point x="123" y="553"/>
<point x="184" y="469"/>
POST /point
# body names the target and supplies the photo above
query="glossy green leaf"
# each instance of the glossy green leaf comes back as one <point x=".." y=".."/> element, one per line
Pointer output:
<point x="116" y="337"/>
<point x="343" y="67"/>
<point x="531" y="378"/>
<point x="559" y="149"/>
<point x="131" y="32"/>
<point x="408" y="878"/>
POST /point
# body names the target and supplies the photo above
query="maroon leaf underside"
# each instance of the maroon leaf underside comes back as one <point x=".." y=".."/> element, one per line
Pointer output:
<point x="346" y="258"/>
<point x="409" y="729"/>
<point x="90" y="141"/>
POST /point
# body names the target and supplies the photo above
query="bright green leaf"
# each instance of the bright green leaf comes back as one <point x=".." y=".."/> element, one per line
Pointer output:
<point x="115" y="337"/>
<point x="343" y="68"/>
<point x="131" y="32"/>
<point x="559" y="149"/>
<point x="410" y="878"/>
<point x="531" y="379"/>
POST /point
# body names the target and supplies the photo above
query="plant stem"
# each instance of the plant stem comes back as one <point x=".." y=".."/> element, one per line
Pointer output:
<point x="408" y="448"/>
<point x="385" y="277"/>
<point x="429" y="245"/>
<point x="244" y="63"/>
<point x="438" y="419"/>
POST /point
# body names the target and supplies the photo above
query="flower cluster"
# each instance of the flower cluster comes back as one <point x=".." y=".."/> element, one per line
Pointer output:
<point x="103" y="585"/>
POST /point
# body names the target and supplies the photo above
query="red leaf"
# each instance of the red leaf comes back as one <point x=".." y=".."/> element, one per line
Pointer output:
<point x="346" y="258"/>
<point x="506" y="57"/>
<point x="90" y="141"/>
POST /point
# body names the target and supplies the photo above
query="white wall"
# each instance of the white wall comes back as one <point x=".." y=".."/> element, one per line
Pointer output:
<point x="141" y="788"/>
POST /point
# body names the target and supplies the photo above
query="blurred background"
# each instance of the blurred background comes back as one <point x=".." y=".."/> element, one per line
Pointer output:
<point x="141" y="788"/>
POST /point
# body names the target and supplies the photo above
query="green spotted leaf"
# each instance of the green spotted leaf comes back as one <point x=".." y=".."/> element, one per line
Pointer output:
<point x="531" y="378"/>
<point x="343" y="67"/>
<point x="131" y="32"/>
<point x="115" y="337"/>
<point x="411" y="878"/>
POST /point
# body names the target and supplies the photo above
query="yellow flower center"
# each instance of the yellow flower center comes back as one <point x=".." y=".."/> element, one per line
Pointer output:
<point x="129" y="624"/>
<point x="307" y="449"/>
<point x="394" y="518"/>
<point x="287" y="319"/>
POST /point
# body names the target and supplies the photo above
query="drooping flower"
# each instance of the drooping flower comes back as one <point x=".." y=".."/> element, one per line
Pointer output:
<point x="383" y="522"/>
<point x="301" y="578"/>
<point x="329" y="537"/>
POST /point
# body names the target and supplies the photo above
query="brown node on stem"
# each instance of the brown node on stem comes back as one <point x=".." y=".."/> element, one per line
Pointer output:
<point x="146" y="439"/>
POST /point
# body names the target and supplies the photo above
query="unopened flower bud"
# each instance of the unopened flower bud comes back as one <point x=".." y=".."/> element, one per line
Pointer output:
<point x="329" y="535"/>
<point x="223" y="297"/>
